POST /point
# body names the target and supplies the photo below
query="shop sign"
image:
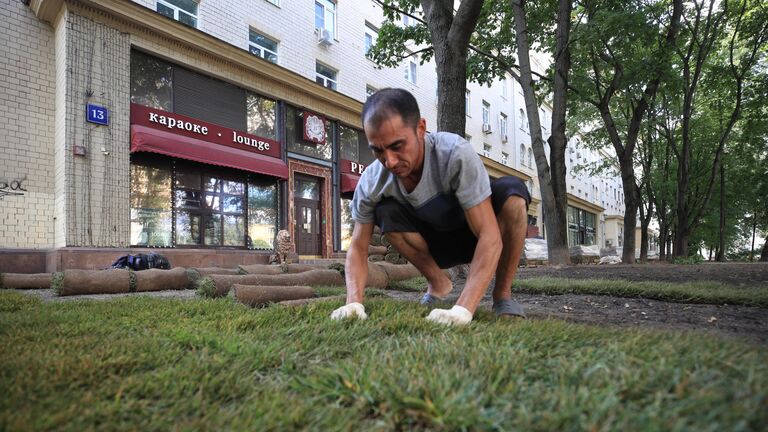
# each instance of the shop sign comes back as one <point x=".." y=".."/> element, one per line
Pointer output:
<point x="314" y="128"/>
<point x="194" y="128"/>
<point x="350" y="167"/>
<point x="97" y="114"/>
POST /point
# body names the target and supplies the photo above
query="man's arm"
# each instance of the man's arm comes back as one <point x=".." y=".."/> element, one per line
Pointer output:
<point x="482" y="221"/>
<point x="356" y="267"/>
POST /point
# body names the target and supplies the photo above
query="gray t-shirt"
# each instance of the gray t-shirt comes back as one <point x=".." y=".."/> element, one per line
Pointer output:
<point x="453" y="180"/>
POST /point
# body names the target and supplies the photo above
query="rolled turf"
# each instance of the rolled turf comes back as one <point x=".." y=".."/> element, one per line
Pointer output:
<point x="219" y="285"/>
<point x="75" y="282"/>
<point x="257" y="295"/>
<point x="25" y="281"/>
<point x="158" y="280"/>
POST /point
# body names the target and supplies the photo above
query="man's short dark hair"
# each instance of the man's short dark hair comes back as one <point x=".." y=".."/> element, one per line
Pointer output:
<point x="388" y="102"/>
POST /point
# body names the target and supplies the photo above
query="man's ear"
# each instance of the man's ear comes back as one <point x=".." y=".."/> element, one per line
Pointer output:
<point x="421" y="127"/>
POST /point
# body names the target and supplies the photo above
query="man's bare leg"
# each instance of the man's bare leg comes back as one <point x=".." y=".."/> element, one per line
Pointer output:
<point x="414" y="248"/>
<point x="513" y="224"/>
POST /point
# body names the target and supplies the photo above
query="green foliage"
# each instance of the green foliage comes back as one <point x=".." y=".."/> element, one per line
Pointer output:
<point x="692" y="259"/>
<point x="149" y="364"/>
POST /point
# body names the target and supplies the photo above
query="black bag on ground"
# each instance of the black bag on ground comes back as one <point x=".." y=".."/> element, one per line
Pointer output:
<point x="142" y="262"/>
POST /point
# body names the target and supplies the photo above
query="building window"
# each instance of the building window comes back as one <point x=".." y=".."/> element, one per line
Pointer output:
<point x="523" y="120"/>
<point x="486" y="113"/>
<point x="503" y="126"/>
<point x="369" y="91"/>
<point x="200" y="207"/>
<point x="371" y="35"/>
<point x="486" y="150"/>
<point x="325" y="76"/>
<point x="325" y="16"/>
<point x="530" y="187"/>
<point x="410" y="70"/>
<point x="183" y="11"/>
<point x="504" y="158"/>
<point x="151" y="82"/>
<point x="151" y="214"/>
<point x="581" y="227"/>
<point x="262" y="46"/>
<point x="530" y="158"/>
<point x="348" y="143"/>
<point x="294" y="136"/>
<point x="504" y="90"/>
<point x="347" y="224"/>
<point x="466" y="103"/>
<point x="261" y="114"/>
<point x="521" y="156"/>
<point x="262" y="215"/>
<point x="621" y="236"/>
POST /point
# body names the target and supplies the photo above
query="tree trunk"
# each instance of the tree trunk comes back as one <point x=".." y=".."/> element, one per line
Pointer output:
<point x="662" y="241"/>
<point x="552" y="174"/>
<point x="754" y="228"/>
<point x="450" y="36"/>
<point x="721" y="245"/>
<point x="764" y="254"/>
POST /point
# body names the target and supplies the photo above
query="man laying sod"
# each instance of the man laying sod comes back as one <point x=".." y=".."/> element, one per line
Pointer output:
<point x="431" y="197"/>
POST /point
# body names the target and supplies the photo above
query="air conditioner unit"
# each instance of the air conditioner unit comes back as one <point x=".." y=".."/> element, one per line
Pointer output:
<point x="324" y="37"/>
<point x="504" y="138"/>
<point x="486" y="128"/>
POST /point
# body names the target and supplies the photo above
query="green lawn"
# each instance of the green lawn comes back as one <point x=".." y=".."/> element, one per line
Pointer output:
<point x="156" y="364"/>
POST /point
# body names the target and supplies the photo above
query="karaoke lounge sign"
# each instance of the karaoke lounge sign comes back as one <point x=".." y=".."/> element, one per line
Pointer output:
<point x="314" y="128"/>
<point x="194" y="128"/>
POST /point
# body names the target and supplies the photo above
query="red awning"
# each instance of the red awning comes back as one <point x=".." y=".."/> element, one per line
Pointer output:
<point x="157" y="141"/>
<point x="349" y="182"/>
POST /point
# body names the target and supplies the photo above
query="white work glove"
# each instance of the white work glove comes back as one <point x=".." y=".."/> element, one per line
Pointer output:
<point x="349" y="311"/>
<point x="456" y="315"/>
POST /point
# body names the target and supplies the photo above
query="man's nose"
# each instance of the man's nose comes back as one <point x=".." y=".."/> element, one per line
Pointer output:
<point x="390" y="160"/>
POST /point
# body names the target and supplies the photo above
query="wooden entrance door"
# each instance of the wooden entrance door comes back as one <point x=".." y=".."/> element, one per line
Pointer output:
<point x="306" y="204"/>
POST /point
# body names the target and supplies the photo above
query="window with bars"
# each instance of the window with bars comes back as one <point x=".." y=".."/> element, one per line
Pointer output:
<point x="183" y="11"/>
<point x="262" y="46"/>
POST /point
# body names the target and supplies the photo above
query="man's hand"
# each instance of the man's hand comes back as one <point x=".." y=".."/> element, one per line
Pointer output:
<point x="348" y="311"/>
<point x="456" y="315"/>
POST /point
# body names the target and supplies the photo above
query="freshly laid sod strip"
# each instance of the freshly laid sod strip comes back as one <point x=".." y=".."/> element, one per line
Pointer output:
<point x="690" y="292"/>
<point x="151" y="364"/>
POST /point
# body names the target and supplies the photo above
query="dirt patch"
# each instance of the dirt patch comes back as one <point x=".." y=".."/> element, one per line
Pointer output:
<point x="728" y="321"/>
<point x="739" y="274"/>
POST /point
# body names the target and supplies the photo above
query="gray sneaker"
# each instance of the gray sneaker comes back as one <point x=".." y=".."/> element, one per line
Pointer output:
<point x="508" y="307"/>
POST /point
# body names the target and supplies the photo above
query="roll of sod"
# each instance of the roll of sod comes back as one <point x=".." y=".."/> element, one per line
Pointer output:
<point x="303" y="302"/>
<point x="74" y="282"/>
<point x="398" y="272"/>
<point x="256" y="295"/>
<point x="377" y="250"/>
<point x="219" y="285"/>
<point x="301" y="268"/>
<point x="264" y="269"/>
<point x="25" y="281"/>
<point x="377" y="278"/>
<point x="207" y="271"/>
<point x="158" y="280"/>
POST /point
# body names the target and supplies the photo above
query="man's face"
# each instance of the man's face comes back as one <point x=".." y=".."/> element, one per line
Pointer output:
<point x="399" y="147"/>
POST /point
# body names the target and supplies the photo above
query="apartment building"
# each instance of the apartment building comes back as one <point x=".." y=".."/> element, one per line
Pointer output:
<point x="203" y="127"/>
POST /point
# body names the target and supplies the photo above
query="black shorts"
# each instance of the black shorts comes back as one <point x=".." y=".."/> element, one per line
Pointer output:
<point x="448" y="248"/>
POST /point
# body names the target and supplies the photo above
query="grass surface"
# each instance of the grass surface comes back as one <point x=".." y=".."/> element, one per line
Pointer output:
<point x="690" y="292"/>
<point x="150" y="364"/>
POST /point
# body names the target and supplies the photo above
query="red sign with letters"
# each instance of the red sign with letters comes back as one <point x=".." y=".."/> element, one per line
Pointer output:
<point x="198" y="129"/>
